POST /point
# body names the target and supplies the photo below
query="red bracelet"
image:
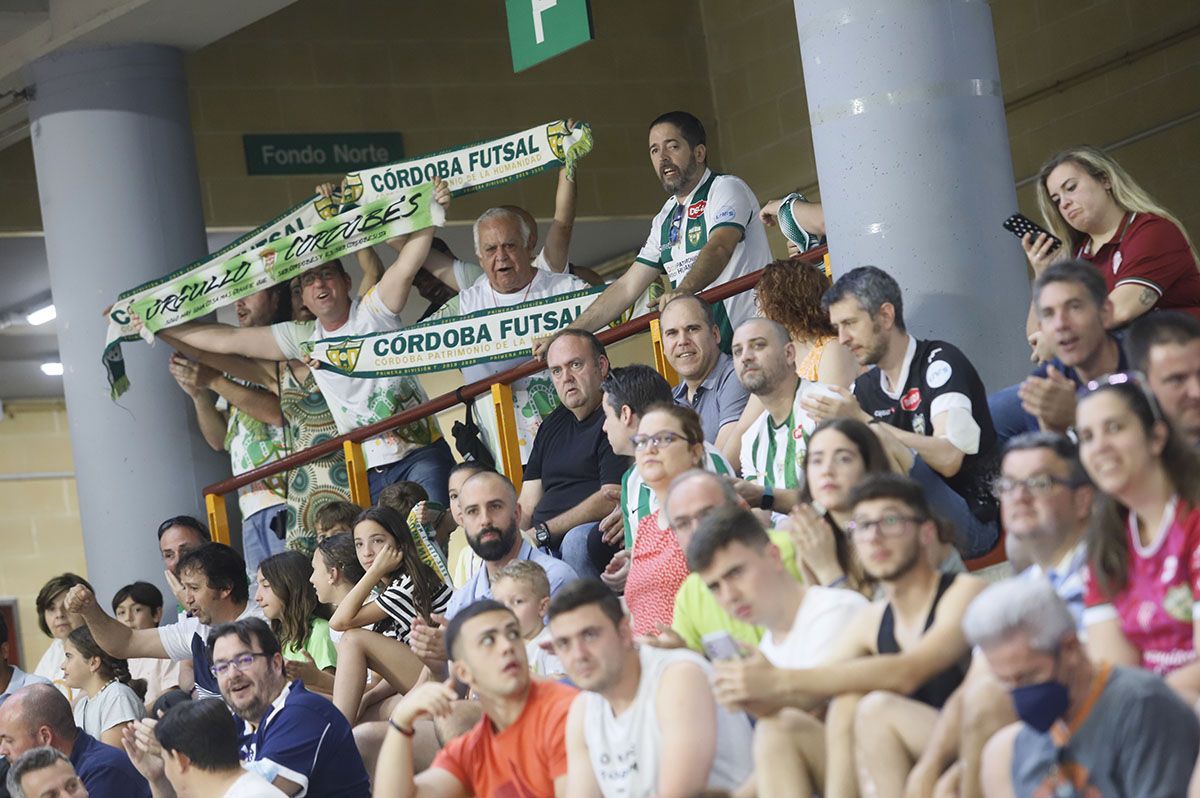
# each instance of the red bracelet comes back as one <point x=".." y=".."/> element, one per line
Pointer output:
<point x="401" y="729"/>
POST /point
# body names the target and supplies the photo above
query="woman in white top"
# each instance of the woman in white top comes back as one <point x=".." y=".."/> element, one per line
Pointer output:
<point x="110" y="700"/>
<point x="56" y="623"/>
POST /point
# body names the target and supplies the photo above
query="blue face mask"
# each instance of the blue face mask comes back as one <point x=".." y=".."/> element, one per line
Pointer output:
<point x="1039" y="705"/>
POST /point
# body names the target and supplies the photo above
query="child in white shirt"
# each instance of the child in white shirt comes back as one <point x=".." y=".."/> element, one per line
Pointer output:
<point x="523" y="587"/>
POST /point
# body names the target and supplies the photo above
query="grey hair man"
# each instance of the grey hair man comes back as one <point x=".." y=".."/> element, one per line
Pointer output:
<point x="1125" y="731"/>
<point x="44" y="773"/>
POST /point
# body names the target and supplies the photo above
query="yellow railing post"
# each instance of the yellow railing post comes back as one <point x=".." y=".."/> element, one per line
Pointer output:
<point x="828" y="267"/>
<point x="660" y="357"/>
<point x="506" y="433"/>
<point x="218" y="518"/>
<point x="356" y="473"/>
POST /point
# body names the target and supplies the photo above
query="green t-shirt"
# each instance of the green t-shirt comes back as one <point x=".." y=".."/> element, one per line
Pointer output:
<point x="318" y="645"/>
<point x="698" y="613"/>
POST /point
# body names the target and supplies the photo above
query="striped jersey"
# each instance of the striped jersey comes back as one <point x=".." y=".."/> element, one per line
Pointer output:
<point x="773" y="456"/>
<point x="680" y="231"/>
<point x="638" y="501"/>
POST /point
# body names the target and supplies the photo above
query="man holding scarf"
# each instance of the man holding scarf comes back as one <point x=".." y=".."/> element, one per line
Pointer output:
<point x="708" y="233"/>
<point x="416" y="452"/>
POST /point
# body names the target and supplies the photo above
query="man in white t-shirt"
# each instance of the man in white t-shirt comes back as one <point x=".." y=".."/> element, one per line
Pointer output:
<point x="511" y="277"/>
<point x="744" y="570"/>
<point x="707" y="233"/>
<point x="215" y="592"/>
<point x="197" y="755"/>
<point x="647" y="723"/>
<point x="416" y="452"/>
<point x="772" y="458"/>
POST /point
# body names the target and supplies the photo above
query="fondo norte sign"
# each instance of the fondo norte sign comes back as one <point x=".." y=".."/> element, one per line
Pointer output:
<point x="541" y="29"/>
<point x="319" y="153"/>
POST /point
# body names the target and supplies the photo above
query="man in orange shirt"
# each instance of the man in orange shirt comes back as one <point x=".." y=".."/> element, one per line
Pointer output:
<point x="517" y="750"/>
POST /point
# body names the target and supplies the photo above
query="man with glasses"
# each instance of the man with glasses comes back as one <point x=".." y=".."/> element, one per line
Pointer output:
<point x="772" y="454"/>
<point x="295" y="739"/>
<point x="416" y="452"/>
<point x="889" y="672"/>
<point x="1045" y="503"/>
<point x="693" y="496"/>
<point x="573" y="477"/>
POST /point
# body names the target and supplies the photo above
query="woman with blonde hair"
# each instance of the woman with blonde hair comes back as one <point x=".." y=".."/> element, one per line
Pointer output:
<point x="1102" y="215"/>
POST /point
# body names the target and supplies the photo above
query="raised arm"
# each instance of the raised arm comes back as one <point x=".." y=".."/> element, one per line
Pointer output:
<point x="258" y="342"/>
<point x="111" y="635"/>
<point x="194" y="379"/>
<point x="353" y="611"/>
<point x="612" y="300"/>
<point x="372" y="269"/>
<point x="393" y="288"/>
<point x="558" y="238"/>
<point x="259" y="372"/>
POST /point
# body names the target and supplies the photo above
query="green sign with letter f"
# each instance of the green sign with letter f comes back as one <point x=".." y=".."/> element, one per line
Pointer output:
<point x="541" y="29"/>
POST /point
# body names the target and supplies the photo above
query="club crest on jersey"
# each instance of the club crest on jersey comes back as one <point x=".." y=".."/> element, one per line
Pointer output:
<point x="911" y="399"/>
<point x="918" y="424"/>
<point x="696" y="209"/>
<point x="693" y="236"/>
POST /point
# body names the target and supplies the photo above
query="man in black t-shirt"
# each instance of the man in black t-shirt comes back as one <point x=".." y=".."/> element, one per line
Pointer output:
<point x="925" y="395"/>
<point x="573" y="479"/>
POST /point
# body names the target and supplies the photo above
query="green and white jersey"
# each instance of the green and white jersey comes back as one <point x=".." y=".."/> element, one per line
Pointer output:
<point x="773" y="456"/>
<point x="638" y="501"/>
<point x="680" y="231"/>
<point x="251" y="444"/>
<point x="534" y="397"/>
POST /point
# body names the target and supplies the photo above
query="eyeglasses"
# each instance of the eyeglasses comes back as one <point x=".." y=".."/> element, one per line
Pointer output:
<point x="684" y="523"/>
<point x="658" y="441"/>
<point x="310" y="277"/>
<point x="889" y="526"/>
<point x="239" y="663"/>
<point x="1134" y="378"/>
<point x="1040" y="485"/>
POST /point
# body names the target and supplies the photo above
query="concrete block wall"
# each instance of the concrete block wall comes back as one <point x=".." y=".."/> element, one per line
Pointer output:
<point x="39" y="525"/>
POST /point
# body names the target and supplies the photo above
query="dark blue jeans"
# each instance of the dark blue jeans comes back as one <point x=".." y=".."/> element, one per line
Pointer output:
<point x="1008" y="416"/>
<point x="428" y="466"/>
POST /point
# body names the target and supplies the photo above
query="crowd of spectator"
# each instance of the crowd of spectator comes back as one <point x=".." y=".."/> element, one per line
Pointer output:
<point x="752" y="582"/>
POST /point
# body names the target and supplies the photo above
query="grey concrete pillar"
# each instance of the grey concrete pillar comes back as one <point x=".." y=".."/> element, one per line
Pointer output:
<point x="120" y="198"/>
<point x="914" y="165"/>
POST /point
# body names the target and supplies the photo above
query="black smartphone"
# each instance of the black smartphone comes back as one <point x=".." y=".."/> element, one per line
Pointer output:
<point x="1018" y="224"/>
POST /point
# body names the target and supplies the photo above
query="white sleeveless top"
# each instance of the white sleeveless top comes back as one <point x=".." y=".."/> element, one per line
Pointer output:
<point x="625" y="751"/>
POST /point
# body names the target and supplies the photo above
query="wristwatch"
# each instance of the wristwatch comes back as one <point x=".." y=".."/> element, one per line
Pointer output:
<point x="541" y="533"/>
<point x="767" y="502"/>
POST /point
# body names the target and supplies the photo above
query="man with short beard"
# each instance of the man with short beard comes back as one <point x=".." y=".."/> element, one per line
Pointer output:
<point x="1165" y="346"/>
<point x="295" y="739"/>
<point x="925" y="395"/>
<point x="772" y="449"/>
<point x="707" y="233"/>
<point x="492" y="520"/>
<point x="904" y="655"/>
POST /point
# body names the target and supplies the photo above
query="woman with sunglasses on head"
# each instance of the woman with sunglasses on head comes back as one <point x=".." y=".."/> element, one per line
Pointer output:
<point x="1102" y="215"/>
<point x="1144" y="537"/>
<point x="669" y="441"/>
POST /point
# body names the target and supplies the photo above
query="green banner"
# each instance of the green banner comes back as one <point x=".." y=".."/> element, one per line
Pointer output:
<point x="211" y="282"/>
<point x="455" y="342"/>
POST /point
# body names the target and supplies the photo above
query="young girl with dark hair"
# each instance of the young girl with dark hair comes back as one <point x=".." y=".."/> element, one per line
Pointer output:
<point x="409" y="588"/>
<point x="289" y="602"/>
<point x="111" y="699"/>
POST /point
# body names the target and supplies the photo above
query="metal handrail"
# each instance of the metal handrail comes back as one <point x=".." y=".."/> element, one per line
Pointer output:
<point x="469" y="392"/>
